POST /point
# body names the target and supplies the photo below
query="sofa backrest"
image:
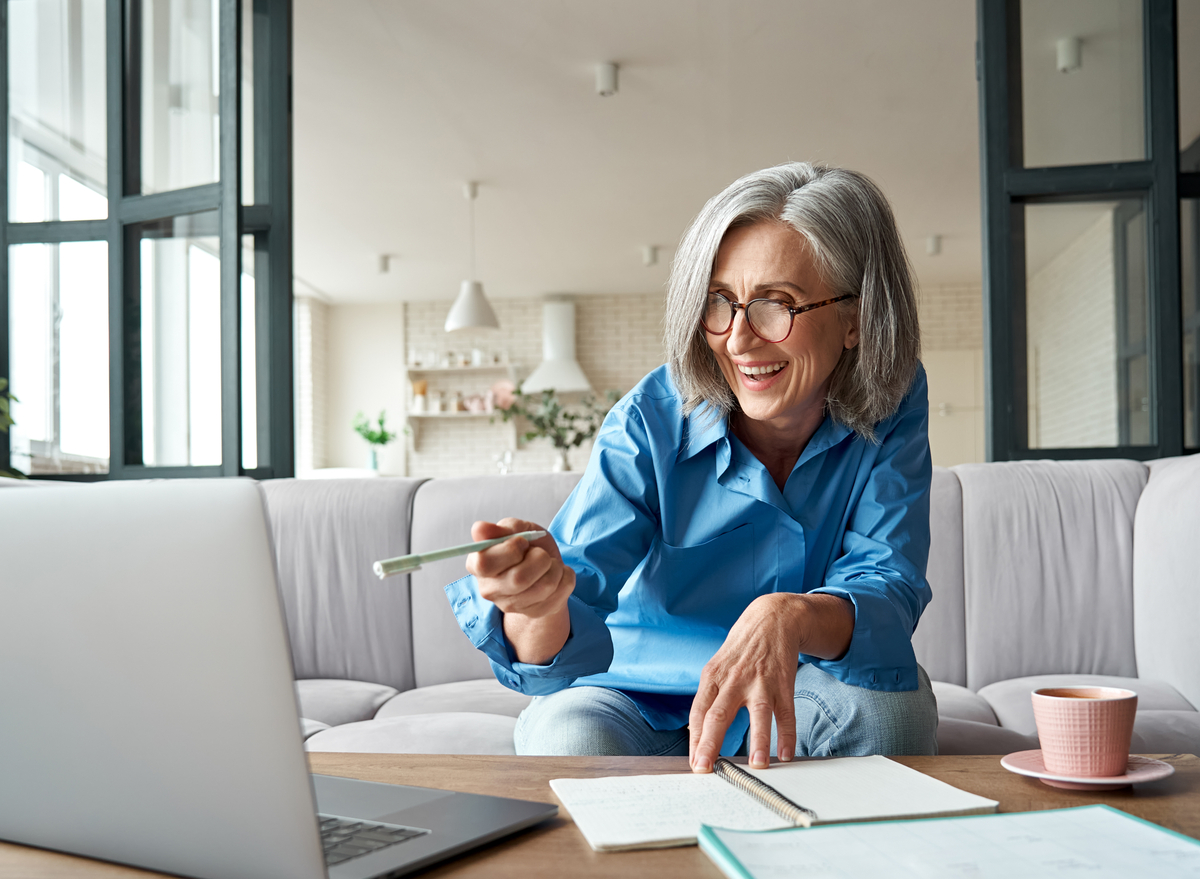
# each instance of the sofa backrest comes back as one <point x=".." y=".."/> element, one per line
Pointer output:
<point x="1166" y="576"/>
<point x="1048" y="567"/>
<point x="343" y="622"/>
<point x="940" y="640"/>
<point x="443" y="512"/>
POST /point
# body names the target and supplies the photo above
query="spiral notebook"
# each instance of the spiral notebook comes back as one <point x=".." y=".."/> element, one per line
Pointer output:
<point x="617" y="813"/>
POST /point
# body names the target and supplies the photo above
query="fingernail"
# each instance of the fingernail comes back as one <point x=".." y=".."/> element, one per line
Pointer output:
<point x="785" y="756"/>
<point x="702" y="764"/>
<point x="759" y="760"/>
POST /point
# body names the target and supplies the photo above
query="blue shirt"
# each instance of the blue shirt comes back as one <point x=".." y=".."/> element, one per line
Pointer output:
<point x="676" y="527"/>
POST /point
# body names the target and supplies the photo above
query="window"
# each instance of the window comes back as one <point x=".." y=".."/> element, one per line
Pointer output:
<point x="145" y="291"/>
<point x="1089" y="290"/>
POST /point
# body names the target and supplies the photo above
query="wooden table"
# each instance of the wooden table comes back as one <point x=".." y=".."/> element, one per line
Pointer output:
<point x="557" y="849"/>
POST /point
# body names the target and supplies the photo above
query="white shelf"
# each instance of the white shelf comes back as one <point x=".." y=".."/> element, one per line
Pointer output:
<point x="459" y="370"/>
<point x="416" y="418"/>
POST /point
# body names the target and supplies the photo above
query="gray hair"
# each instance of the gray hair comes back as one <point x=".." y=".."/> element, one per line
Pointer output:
<point x="849" y="227"/>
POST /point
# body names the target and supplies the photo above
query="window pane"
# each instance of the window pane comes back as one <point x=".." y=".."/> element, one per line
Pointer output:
<point x="1188" y="38"/>
<point x="180" y="341"/>
<point x="247" y="102"/>
<point x="57" y="114"/>
<point x="1189" y="228"/>
<point x="179" y="92"/>
<point x="249" y="359"/>
<point x="1093" y="111"/>
<point x="1086" y="320"/>
<point x="58" y="312"/>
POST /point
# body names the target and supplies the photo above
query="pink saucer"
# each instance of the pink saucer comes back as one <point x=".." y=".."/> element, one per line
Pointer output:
<point x="1139" y="769"/>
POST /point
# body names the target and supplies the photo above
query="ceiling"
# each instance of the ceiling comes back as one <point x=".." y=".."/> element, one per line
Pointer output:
<point x="398" y="102"/>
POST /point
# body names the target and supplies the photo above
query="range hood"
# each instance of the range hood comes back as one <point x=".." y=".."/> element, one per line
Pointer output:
<point x="559" y="369"/>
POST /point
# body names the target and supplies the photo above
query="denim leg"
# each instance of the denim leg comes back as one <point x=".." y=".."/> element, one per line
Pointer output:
<point x="592" y="721"/>
<point x="834" y="719"/>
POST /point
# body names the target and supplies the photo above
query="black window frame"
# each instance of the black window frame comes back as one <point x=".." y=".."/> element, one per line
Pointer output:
<point x="1007" y="186"/>
<point x="268" y="220"/>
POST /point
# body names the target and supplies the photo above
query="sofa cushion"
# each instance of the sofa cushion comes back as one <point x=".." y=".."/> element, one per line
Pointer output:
<point x="1165" y="598"/>
<point x="1014" y="708"/>
<point x="956" y="736"/>
<point x="336" y="702"/>
<point x="311" y="727"/>
<point x="961" y="703"/>
<point x="1048" y="562"/>
<point x="443" y="512"/>
<point x="484" y="696"/>
<point x="451" y="733"/>
<point x="342" y="622"/>
<point x="940" y="640"/>
<point x="1166" y="732"/>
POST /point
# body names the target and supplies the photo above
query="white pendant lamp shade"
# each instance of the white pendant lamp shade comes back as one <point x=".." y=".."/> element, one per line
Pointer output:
<point x="559" y="369"/>
<point x="471" y="310"/>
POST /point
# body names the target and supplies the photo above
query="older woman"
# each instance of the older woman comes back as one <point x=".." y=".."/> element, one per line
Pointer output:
<point x="741" y="567"/>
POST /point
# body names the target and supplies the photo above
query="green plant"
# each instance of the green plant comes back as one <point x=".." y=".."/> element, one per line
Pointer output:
<point x="6" y="419"/>
<point x="563" y="426"/>
<point x="5" y="410"/>
<point x="376" y="437"/>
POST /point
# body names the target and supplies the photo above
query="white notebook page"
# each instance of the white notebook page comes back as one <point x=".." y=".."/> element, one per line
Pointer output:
<point x="657" y="811"/>
<point x="862" y="788"/>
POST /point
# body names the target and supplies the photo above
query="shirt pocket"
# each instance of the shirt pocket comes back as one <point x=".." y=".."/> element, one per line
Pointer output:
<point x="710" y="583"/>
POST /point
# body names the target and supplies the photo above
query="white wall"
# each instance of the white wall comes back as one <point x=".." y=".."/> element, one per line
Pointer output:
<point x="618" y="340"/>
<point x="365" y="372"/>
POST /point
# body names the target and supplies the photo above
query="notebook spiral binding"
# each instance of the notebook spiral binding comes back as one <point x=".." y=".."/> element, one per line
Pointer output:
<point x="764" y="793"/>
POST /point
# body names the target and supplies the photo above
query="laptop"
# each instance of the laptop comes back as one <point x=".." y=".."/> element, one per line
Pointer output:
<point x="147" y="711"/>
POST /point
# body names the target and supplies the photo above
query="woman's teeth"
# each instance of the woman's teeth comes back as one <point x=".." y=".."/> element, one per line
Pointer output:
<point x="761" y="370"/>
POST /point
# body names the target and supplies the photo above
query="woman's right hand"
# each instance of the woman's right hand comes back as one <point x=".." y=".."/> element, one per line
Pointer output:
<point x="529" y="583"/>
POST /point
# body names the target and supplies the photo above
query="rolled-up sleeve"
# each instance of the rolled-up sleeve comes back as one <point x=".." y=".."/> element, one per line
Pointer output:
<point x="603" y="531"/>
<point x="885" y="549"/>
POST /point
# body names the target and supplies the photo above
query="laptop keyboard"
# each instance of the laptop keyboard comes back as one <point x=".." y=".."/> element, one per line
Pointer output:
<point x="345" y="838"/>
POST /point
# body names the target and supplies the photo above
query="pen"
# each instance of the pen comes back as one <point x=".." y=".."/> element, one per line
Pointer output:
<point x="406" y="564"/>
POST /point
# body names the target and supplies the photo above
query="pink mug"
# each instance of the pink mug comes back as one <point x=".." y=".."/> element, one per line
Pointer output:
<point x="1085" y="731"/>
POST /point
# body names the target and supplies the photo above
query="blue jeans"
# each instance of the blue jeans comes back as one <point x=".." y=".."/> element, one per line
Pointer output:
<point x="833" y="719"/>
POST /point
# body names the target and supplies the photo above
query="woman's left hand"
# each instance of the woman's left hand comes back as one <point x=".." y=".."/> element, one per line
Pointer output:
<point x="756" y="668"/>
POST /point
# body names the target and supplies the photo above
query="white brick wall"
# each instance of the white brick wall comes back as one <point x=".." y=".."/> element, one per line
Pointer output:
<point x="1072" y="344"/>
<point x="311" y="323"/>
<point x="951" y="318"/>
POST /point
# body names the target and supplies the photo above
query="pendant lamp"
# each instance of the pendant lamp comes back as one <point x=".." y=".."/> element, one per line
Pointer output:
<point x="471" y="310"/>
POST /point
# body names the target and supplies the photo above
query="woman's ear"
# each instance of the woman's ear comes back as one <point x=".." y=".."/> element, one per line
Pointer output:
<point x="851" y="337"/>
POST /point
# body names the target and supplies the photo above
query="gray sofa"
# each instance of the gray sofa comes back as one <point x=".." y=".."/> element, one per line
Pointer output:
<point x="1043" y="573"/>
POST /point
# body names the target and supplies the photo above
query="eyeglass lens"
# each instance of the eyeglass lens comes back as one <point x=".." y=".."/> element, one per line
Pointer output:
<point x="769" y="320"/>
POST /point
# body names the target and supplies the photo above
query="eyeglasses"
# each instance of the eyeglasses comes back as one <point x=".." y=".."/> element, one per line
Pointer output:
<point x="769" y="319"/>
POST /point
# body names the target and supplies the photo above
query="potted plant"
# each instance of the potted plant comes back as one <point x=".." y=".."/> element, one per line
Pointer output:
<point x="376" y="437"/>
<point x="6" y="419"/>
<point x="566" y="427"/>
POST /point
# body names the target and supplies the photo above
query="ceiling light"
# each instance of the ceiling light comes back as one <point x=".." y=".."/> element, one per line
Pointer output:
<point x="471" y="310"/>
<point x="649" y="254"/>
<point x="933" y="245"/>
<point x="1070" y="52"/>
<point x="606" y="79"/>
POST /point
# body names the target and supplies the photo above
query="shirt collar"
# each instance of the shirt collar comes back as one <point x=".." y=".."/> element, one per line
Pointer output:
<point x="704" y="427"/>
